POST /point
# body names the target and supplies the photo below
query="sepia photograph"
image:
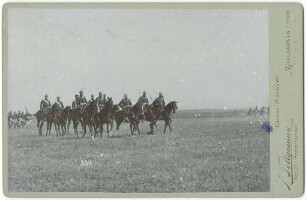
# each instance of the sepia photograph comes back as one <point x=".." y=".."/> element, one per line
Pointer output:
<point x="138" y="100"/>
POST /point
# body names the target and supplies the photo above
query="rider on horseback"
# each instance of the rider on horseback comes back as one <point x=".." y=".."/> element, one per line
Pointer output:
<point x="45" y="103"/>
<point x="159" y="103"/>
<point x="101" y="100"/>
<point x="125" y="102"/>
<point x="59" y="102"/>
<point x="75" y="103"/>
<point x="143" y="100"/>
<point x="92" y="98"/>
<point x="83" y="101"/>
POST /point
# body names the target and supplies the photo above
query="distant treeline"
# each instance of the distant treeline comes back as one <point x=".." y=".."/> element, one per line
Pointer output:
<point x="211" y="113"/>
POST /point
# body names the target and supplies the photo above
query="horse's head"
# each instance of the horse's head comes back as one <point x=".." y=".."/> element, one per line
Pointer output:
<point x="66" y="110"/>
<point x="116" y="108"/>
<point x="173" y="106"/>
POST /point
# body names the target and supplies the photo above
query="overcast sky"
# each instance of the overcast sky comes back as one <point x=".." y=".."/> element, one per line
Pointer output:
<point x="200" y="58"/>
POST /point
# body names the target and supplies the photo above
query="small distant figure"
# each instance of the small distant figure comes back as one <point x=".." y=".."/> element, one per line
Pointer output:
<point x="262" y="111"/>
<point x="256" y="110"/>
<point x="250" y="112"/>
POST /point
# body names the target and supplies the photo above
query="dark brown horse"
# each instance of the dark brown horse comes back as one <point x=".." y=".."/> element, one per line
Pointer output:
<point x="43" y="115"/>
<point x="74" y="115"/>
<point x="40" y="116"/>
<point x="88" y="116"/>
<point x="153" y="113"/>
<point x="167" y="113"/>
<point x="134" y="115"/>
<point x="60" y="118"/>
<point x="105" y="116"/>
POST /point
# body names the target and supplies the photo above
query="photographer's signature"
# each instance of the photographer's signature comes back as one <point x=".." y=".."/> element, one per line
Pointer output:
<point x="289" y="170"/>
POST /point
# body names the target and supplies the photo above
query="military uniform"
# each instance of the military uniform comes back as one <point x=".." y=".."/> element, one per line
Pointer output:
<point x="101" y="102"/>
<point x="142" y="100"/>
<point x="45" y="103"/>
<point x="159" y="101"/>
<point x="82" y="100"/>
<point x="75" y="103"/>
<point x="60" y="104"/>
<point x="125" y="102"/>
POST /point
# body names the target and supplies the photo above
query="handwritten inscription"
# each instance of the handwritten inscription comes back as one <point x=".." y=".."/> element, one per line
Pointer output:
<point x="287" y="164"/>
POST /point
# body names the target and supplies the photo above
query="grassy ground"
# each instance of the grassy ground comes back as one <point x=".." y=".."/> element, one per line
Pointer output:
<point x="201" y="155"/>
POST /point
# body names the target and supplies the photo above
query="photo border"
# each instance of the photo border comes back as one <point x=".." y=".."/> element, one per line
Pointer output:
<point x="291" y="85"/>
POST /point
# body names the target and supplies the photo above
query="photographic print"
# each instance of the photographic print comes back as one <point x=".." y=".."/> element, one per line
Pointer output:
<point x="138" y="100"/>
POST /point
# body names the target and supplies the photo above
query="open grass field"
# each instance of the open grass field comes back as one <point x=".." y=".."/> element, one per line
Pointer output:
<point x="213" y="154"/>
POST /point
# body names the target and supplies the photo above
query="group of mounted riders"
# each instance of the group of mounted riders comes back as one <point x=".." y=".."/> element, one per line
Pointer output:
<point x="96" y="112"/>
<point x="263" y="110"/>
<point x="18" y="119"/>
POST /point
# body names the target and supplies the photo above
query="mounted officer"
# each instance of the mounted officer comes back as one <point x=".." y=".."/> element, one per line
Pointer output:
<point x="143" y="99"/>
<point x="125" y="102"/>
<point x="76" y="101"/>
<point x="45" y="103"/>
<point x="59" y="102"/>
<point x="83" y="100"/>
<point x="159" y="102"/>
<point x="92" y="98"/>
<point x="101" y="100"/>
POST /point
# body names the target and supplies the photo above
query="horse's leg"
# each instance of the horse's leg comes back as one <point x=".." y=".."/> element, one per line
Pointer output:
<point x="47" y="127"/>
<point x="90" y="129"/>
<point x="84" y="129"/>
<point x="107" y="128"/>
<point x="111" y="124"/>
<point x="101" y="129"/>
<point x="69" y="121"/>
<point x="152" y="127"/>
<point x="40" y="128"/>
<point x="56" y="129"/>
<point x="131" y="127"/>
<point x="51" y="128"/>
<point x="138" y="128"/>
<point x="96" y="125"/>
<point x="75" y="127"/>
<point x="166" y="124"/>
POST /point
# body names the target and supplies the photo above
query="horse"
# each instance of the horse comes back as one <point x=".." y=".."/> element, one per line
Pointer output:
<point x="166" y="114"/>
<point x="88" y="116"/>
<point x="153" y="113"/>
<point x="129" y="114"/>
<point x="41" y="117"/>
<point x="105" y="116"/>
<point x="134" y="115"/>
<point x="60" y="118"/>
<point x="74" y="115"/>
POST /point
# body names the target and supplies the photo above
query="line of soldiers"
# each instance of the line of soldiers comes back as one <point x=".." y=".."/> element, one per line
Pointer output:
<point x="18" y="115"/>
<point x="81" y="101"/>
